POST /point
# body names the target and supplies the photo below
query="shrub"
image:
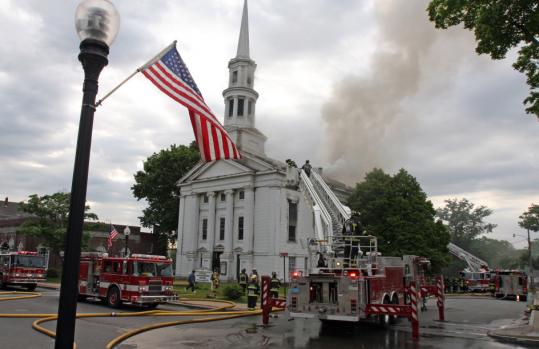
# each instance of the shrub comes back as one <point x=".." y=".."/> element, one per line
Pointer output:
<point x="52" y="273"/>
<point x="232" y="292"/>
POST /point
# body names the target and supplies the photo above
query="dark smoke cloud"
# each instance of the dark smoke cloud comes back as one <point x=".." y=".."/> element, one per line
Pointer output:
<point x="368" y="120"/>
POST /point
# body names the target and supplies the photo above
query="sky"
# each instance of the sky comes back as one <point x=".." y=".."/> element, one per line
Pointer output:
<point x="350" y="85"/>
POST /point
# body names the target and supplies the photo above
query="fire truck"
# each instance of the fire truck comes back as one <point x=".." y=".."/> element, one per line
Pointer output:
<point x="144" y="280"/>
<point x="22" y="268"/>
<point x="343" y="290"/>
<point x="477" y="275"/>
<point x="510" y="284"/>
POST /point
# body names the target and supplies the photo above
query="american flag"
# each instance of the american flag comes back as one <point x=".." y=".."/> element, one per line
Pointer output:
<point x="170" y="74"/>
<point x="112" y="235"/>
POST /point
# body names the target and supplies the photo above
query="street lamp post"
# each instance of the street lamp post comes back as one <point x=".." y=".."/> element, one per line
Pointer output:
<point x="127" y="231"/>
<point x="97" y="23"/>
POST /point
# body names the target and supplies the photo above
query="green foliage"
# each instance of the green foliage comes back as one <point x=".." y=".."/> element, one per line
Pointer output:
<point x="232" y="292"/>
<point x="157" y="184"/>
<point x="498" y="25"/>
<point x="530" y="219"/>
<point x="50" y="223"/>
<point x="396" y="210"/>
<point x="465" y="221"/>
<point x="52" y="273"/>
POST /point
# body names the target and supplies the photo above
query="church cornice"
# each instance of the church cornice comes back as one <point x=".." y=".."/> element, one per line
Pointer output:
<point x="240" y="89"/>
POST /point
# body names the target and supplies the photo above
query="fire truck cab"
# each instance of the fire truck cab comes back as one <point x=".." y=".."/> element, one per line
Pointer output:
<point x="145" y="280"/>
<point x="22" y="268"/>
<point x="342" y="291"/>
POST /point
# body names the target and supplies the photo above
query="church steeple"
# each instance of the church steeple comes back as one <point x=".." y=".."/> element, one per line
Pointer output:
<point x="243" y="42"/>
<point x="240" y="96"/>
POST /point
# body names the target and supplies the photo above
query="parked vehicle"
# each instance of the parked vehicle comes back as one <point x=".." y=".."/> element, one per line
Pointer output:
<point x="510" y="284"/>
<point x="145" y="280"/>
<point x="22" y="268"/>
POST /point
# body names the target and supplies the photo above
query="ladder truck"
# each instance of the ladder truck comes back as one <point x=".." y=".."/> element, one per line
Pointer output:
<point x="350" y="280"/>
<point x="477" y="275"/>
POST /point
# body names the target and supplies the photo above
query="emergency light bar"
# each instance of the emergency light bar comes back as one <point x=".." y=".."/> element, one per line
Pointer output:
<point x="29" y="253"/>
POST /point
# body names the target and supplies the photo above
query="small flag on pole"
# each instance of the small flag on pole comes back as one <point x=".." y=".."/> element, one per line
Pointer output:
<point x="169" y="73"/>
<point x="112" y="235"/>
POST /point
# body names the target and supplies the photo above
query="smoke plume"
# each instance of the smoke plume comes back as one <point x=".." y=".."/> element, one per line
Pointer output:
<point x="367" y="121"/>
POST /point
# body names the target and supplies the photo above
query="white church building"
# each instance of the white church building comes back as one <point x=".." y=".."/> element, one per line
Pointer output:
<point x="245" y="213"/>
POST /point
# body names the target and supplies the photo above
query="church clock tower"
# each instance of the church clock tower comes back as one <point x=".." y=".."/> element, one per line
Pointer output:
<point x="240" y="96"/>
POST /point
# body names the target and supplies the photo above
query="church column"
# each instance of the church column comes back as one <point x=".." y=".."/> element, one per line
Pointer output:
<point x="229" y="221"/>
<point x="179" y="238"/>
<point x="211" y="221"/>
<point x="249" y="219"/>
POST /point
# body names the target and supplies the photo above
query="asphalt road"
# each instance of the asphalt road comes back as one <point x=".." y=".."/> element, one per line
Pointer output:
<point x="466" y="326"/>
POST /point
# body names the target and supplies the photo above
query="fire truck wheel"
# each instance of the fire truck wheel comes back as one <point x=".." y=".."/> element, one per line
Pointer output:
<point x="31" y="287"/>
<point x="113" y="298"/>
<point x="384" y="320"/>
<point x="81" y="298"/>
<point x="2" y="284"/>
<point x="394" y="300"/>
<point x="152" y="306"/>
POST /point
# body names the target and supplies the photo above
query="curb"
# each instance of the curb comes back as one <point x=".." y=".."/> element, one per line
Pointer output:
<point x="517" y="339"/>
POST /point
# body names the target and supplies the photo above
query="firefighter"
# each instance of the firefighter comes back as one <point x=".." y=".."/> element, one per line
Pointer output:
<point x="251" y="295"/>
<point x="255" y="280"/>
<point x="462" y="285"/>
<point x="275" y="284"/>
<point x="215" y="281"/>
<point x="243" y="280"/>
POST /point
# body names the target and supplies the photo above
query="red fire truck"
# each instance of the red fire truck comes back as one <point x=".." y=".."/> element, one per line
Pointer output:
<point x="344" y="289"/>
<point x="140" y="279"/>
<point x="510" y="284"/>
<point x="22" y="268"/>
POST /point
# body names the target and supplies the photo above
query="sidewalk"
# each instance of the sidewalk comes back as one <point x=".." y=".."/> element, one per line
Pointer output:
<point x="49" y="285"/>
<point x="524" y="334"/>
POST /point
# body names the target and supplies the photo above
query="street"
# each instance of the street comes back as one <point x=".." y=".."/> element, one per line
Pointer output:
<point x="466" y="326"/>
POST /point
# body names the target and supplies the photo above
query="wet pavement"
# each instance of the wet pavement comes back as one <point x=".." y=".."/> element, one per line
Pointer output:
<point x="468" y="321"/>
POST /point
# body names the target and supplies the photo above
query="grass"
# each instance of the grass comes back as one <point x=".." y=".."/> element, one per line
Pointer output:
<point x="203" y="291"/>
<point x="54" y="280"/>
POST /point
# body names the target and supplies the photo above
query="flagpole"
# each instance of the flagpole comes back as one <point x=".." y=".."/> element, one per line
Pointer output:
<point x="138" y="70"/>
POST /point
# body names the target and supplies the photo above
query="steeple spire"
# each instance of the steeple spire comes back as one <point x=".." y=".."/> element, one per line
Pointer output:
<point x="243" y="42"/>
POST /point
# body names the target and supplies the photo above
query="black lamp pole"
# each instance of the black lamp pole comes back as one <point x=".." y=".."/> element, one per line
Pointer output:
<point x="93" y="56"/>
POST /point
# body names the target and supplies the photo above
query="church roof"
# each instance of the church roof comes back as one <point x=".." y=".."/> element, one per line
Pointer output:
<point x="243" y="42"/>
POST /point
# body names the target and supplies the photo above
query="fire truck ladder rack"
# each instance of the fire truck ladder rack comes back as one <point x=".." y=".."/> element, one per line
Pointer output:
<point x="330" y="214"/>
<point x="474" y="264"/>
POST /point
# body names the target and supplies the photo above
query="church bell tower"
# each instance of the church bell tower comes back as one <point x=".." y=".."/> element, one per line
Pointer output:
<point x="240" y="96"/>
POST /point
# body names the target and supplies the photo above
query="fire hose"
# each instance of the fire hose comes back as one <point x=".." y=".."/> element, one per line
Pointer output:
<point x="219" y="313"/>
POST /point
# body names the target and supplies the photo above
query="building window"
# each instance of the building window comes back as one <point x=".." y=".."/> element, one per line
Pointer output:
<point x="241" y="195"/>
<point x="241" y="102"/>
<point x="231" y="107"/>
<point x="223" y="197"/>
<point x="292" y="220"/>
<point x="234" y="76"/>
<point x="205" y="198"/>
<point x="221" y="228"/>
<point x="249" y="80"/>
<point x="250" y="107"/>
<point x="240" y="228"/>
<point x="291" y="264"/>
<point x="204" y="229"/>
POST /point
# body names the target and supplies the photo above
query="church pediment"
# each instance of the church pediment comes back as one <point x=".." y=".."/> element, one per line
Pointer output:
<point x="220" y="168"/>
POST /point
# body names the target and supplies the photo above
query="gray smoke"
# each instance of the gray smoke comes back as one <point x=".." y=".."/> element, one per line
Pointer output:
<point x="367" y="120"/>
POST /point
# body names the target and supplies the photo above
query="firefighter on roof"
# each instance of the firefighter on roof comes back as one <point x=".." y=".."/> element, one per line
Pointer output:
<point x="275" y="284"/>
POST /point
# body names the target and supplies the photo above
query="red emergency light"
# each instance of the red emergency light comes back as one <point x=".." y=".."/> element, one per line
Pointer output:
<point x="296" y="274"/>
<point x="352" y="274"/>
<point x="27" y="253"/>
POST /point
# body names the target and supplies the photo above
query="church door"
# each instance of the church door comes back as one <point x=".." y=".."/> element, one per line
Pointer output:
<point x="216" y="261"/>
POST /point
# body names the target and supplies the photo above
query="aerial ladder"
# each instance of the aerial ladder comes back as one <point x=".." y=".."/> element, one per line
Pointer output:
<point x="330" y="214"/>
<point x="475" y="265"/>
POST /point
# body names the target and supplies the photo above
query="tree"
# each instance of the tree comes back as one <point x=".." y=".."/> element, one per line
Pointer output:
<point x="157" y="184"/>
<point x="465" y="221"/>
<point x="498" y="25"/>
<point x="50" y="223"/>
<point x="529" y="220"/>
<point x="396" y="210"/>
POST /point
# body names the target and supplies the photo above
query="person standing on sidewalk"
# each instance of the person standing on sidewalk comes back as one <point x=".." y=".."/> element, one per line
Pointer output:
<point x="192" y="282"/>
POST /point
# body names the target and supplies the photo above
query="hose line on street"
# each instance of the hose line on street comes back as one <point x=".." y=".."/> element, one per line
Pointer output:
<point x="221" y="310"/>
